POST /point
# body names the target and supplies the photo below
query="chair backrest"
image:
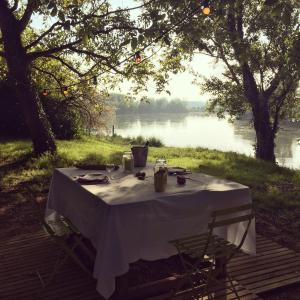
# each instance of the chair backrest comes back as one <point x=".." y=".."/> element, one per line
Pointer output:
<point x="232" y="215"/>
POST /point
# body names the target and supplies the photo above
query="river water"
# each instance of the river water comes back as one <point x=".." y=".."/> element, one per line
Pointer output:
<point x="199" y="130"/>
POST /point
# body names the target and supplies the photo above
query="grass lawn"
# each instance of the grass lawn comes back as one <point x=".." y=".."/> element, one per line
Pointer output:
<point x="275" y="190"/>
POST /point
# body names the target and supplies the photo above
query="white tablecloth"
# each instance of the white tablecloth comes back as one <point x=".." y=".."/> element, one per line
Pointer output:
<point x="126" y="220"/>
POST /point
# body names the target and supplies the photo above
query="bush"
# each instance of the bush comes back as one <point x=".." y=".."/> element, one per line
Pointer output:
<point x="155" y="142"/>
<point x="139" y="140"/>
<point x="65" y="121"/>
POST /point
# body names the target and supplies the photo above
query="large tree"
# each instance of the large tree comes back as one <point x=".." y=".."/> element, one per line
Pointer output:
<point x="258" y="42"/>
<point x="90" y="32"/>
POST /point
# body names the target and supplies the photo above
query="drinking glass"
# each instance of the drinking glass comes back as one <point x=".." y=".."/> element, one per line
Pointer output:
<point x="109" y="169"/>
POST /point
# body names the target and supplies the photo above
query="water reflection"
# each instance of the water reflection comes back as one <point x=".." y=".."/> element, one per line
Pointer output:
<point x="184" y="130"/>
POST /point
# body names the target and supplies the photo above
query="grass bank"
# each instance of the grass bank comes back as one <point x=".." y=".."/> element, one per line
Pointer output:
<point x="275" y="189"/>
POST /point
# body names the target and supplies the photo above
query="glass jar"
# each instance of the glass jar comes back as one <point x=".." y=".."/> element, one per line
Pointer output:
<point x="127" y="161"/>
<point x="160" y="175"/>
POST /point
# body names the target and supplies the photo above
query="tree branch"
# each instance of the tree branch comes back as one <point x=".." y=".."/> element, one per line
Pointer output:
<point x="15" y="6"/>
<point x="66" y="64"/>
<point x="126" y="27"/>
<point x="229" y="67"/>
<point x="87" y="17"/>
<point x="98" y="56"/>
<point x="235" y="29"/>
<point x="50" y="74"/>
<point x="44" y="34"/>
<point x="46" y="53"/>
<point x="23" y="22"/>
<point x="274" y="84"/>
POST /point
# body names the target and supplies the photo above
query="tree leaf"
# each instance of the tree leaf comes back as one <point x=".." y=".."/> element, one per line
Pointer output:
<point x="51" y="5"/>
<point x="54" y="12"/>
<point x="141" y="38"/>
<point x="126" y="42"/>
<point x="67" y="25"/>
<point x="61" y="16"/>
<point x="85" y="38"/>
<point x="167" y="40"/>
<point x="134" y="43"/>
<point x="270" y="2"/>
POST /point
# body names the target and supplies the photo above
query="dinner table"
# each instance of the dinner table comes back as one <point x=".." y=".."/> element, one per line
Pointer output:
<point x="126" y="220"/>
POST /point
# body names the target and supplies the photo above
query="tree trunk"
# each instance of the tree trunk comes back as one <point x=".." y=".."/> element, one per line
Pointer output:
<point x="35" y="117"/>
<point x="19" y="72"/>
<point x="265" y="136"/>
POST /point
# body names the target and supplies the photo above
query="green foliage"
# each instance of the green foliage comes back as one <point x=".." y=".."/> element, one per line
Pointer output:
<point x="65" y="120"/>
<point x="139" y="140"/>
<point x="228" y="98"/>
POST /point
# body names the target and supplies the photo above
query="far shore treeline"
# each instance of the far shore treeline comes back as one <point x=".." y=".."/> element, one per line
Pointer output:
<point x="150" y="105"/>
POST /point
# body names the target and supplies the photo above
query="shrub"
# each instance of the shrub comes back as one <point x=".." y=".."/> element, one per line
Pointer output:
<point x="65" y="121"/>
<point x="139" y="140"/>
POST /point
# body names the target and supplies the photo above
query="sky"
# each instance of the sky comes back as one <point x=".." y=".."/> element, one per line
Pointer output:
<point x="180" y="85"/>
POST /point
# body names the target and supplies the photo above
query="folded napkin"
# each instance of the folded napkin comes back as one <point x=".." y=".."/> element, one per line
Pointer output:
<point x="94" y="166"/>
<point x="178" y="171"/>
<point x="92" y="178"/>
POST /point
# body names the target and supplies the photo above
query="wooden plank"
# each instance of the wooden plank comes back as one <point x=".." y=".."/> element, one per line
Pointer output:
<point x="265" y="270"/>
<point x="279" y="284"/>
<point x="22" y="247"/>
<point x="274" y="275"/>
<point x="23" y="239"/>
<point x="266" y="247"/>
<point x="266" y="253"/>
<point x="254" y="259"/>
<point x="32" y="285"/>
<point x="264" y="263"/>
<point x="272" y="283"/>
<point x="222" y="293"/>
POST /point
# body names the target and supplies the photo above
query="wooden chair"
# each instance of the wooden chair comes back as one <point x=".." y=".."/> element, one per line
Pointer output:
<point x="205" y="256"/>
<point x="70" y="241"/>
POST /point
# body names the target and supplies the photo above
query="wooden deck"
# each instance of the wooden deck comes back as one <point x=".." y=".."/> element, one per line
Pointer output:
<point x="27" y="260"/>
<point x="273" y="267"/>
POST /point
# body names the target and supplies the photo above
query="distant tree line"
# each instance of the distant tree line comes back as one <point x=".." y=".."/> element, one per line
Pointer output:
<point x="162" y="105"/>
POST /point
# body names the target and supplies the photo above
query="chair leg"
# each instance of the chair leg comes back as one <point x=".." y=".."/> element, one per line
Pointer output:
<point x="59" y="263"/>
<point x="57" y="266"/>
<point x="70" y="253"/>
<point x="233" y="287"/>
<point x="87" y="251"/>
<point x="188" y="273"/>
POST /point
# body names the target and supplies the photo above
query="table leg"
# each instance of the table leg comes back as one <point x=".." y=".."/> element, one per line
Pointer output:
<point x="221" y="267"/>
<point x="122" y="288"/>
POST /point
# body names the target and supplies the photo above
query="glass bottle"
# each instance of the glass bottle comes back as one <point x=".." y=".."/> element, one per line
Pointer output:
<point x="127" y="161"/>
<point x="160" y="175"/>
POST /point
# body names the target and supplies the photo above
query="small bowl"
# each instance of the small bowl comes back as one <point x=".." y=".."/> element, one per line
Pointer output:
<point x="140" y="175"/>
<point x="181" y="180"/>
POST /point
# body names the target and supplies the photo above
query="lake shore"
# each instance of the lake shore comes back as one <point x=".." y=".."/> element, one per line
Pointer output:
<point x="203" y="130"/>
